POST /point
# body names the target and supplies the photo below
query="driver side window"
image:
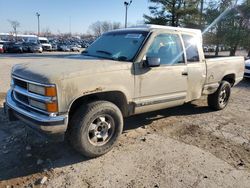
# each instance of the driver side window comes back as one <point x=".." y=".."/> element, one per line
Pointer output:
<point x="168" y="48"/>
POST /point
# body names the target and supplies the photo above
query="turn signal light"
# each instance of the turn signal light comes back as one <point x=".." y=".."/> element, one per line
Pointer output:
<point x="52" y="107"/>
<point x="50" y="91"/>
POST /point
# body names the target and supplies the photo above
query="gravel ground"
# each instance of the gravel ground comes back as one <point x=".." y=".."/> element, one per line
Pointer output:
<point x="187" y="146"/>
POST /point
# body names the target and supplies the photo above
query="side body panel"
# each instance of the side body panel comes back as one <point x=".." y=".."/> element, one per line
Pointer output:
<point x="119" y="80"/>
<point x="159" y="87"/>
<point x="218" y="68"/>
<point x="196" y="80"/>
<point x="196" y="69"/>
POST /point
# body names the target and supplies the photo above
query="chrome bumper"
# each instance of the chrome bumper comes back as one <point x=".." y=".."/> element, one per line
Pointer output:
<point x="44" y="123"/>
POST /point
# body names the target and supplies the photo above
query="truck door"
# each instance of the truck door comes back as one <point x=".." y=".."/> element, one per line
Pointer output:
<point x="165" y="85"/>
<point x="196" y="65"/>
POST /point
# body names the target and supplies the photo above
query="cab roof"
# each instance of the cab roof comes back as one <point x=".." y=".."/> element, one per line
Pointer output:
<point x="151" y="27"/>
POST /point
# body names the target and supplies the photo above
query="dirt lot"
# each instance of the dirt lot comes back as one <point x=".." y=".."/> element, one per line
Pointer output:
<point x="188" y="146"/>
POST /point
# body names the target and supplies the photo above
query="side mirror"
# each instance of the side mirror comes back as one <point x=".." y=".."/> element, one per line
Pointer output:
<point x="153" y="61"/>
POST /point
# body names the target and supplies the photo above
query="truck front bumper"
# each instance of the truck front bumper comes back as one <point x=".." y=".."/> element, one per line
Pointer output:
<point x="43" y="123"/>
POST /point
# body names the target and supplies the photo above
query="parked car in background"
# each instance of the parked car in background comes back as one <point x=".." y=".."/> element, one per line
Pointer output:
<point x="1" y="46"/>
<point x="45" y="43"/>
<point x="75" y="48"/>
<point x="32" y="47"/>
<point x="13" y="47"/>
<point x="28" y="38"/>
<point x="54" y="47"/>
<point x="6" y="46"/>
<point x="63" y="47"/>
<point x="247" y="69"/>
<point x="85" y="44"/>
<point x="25" y="47"/>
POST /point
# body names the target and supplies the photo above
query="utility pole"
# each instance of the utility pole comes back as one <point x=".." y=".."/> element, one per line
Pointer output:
<point x="127" y="4"/>
<point x="70" y="25"/>
<point x="38" y="23"/>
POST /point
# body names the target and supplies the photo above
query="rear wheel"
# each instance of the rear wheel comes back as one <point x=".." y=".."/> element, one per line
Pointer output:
<point x="95" y="128"/>
<point x="220" y="99"/>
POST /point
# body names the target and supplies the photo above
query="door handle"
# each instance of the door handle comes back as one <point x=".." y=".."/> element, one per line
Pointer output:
<point x="184" y="73"/>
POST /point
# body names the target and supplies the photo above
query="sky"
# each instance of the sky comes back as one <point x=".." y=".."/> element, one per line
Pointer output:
<point x="63" y="16"/>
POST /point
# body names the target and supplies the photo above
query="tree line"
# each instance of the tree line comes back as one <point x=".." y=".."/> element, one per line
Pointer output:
<point x="223" y="22"/>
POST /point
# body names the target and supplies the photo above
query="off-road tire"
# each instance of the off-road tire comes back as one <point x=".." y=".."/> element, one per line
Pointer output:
<point x="220" y="99"/>
<point x="80" y="124"/>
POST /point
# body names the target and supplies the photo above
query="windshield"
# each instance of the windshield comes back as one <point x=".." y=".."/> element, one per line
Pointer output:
<point x="43" y="41"/>
<point x="116" y="45"/>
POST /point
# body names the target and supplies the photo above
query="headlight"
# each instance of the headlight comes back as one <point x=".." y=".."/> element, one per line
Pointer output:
<point x="36" y="89"/>
<point x="37" y="104"/>
<point x="48" y="91"/>
<point x="41" y="90"/>
<point x="49" y="107"/>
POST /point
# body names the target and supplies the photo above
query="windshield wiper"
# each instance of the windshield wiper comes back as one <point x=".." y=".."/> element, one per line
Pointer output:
<point x="104" y="52"/>
<point x="85" y="52"/>
<point x="122" y="58"/>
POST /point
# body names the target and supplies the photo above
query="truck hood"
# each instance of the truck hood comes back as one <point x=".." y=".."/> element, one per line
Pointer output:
<point x="52" y="70"/>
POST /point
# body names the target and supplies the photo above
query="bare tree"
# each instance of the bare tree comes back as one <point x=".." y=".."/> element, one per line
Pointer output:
<point x="116" y="25"/>
<point x="14" y="24"/>
<point x="47" y="32"/>
<point x="98" y="28"/>
<point x="106" y="26"/>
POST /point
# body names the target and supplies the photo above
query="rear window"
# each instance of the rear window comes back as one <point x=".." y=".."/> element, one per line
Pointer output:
<point x="191" y="49"/>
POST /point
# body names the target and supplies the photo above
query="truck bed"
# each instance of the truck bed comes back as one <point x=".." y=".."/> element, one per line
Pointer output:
<point x="219" y="67"/>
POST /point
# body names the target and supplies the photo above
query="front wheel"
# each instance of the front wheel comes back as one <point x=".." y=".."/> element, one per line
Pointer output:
<point x="95" y="128"/>
<point x="220" y="99"/>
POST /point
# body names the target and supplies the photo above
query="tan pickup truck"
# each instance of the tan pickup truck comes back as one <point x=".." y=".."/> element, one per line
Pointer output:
<point x="124" y="72"/>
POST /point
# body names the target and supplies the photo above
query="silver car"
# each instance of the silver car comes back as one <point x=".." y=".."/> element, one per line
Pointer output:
<point x="247" y="69"/>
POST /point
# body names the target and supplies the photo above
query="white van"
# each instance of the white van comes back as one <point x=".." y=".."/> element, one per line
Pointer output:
<point x="45" y="43"/>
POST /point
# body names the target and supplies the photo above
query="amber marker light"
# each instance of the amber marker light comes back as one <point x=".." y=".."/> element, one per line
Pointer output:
<point x="52" y="107"/>
<point x="50" y="91"/>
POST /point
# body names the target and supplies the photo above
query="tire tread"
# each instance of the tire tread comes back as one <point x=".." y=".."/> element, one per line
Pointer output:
<point x="78" y="119"/>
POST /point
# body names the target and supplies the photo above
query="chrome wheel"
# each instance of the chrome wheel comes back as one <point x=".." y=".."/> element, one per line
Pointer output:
<point x="224" y="96"/>
<point x="220" y="99"/>
<point x="101" y="130"/>
<point x="95" y="128"/>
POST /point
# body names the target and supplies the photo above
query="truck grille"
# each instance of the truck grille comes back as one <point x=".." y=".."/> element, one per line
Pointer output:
<point x="21" y="98"/>
<point x="46" y="48"/>
<point x="20" y="83"/>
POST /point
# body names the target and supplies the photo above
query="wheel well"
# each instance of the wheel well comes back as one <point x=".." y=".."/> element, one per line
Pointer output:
<point x="229" y="78"/>
<point x="116" y="97"/>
